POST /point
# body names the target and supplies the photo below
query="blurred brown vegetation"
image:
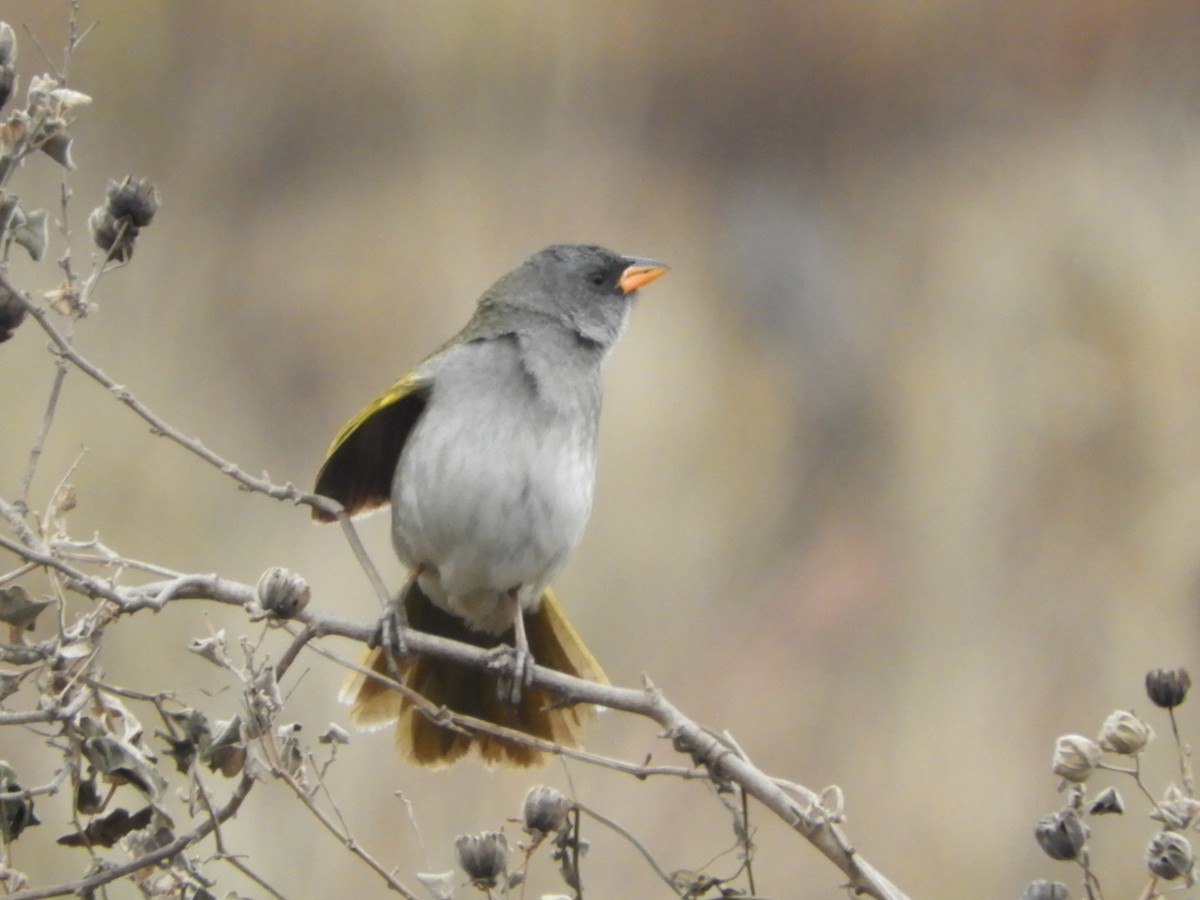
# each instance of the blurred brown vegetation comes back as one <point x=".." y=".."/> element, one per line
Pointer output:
<point x="899" y="469"/>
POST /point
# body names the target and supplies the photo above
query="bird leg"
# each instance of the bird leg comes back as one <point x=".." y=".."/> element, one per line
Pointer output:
<point x="389" y="633"/>
<point x="517" y="667"/>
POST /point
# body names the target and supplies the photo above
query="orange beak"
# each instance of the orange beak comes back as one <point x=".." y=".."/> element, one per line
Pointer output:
<point x="640" y="272"/>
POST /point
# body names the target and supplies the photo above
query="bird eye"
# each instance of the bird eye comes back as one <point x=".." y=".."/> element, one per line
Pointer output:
<point x="597" y="277"/>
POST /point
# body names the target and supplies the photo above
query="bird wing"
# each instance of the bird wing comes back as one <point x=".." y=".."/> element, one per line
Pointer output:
<point x="361" y="461"/>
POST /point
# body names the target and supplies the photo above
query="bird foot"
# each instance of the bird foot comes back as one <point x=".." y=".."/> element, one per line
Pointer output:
<point x="514" y="668"/>
<point x="389" y="633"/>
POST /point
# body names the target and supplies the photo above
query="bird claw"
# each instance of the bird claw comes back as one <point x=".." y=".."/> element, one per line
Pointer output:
<point x="514" y="666"/>
<point x="389" y="633"/>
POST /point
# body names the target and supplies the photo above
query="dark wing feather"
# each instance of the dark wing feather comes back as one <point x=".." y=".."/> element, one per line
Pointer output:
<point x="361" y="462"/>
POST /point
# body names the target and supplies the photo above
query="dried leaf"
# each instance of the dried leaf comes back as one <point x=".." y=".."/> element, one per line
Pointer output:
<point x="87" y="797"/>
<point x="227" y="751"/>
<point x="12" y="131"/>
<point x="75" y="650"/>
<point x="68" y="99"/>
<point x="195" y="741"/>
<point x="64" y="300"/>
<point x="334" y="734"/>
<point x="211" y="648"/>
<point x="266" y="689"/>
<point x="18" y="609"/>
<point x="57" y="145"/>
<point x="65" y="500"/>
<point x="15" y="815"/>
<point x="291" y="754"/>
<point x="148" y="840"/>
<point x="121" y="763"/>
<point x="33" y="234"/>
<point x="439" y="884"/>
<point x="107" y="831"/>
<point x="10" y="682"/>
<point x="229" y="761"/>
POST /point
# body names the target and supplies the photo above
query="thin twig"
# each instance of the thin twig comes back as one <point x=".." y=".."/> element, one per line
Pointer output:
<point x="158" y="424"/>
<point x="76" y="580"/>
<point x="294" y="648"/>
<point x="348" y="840"/>
<point x="637" y="845"/>
<point x="51" y="787"/>
<point x="364" y="559"/>
<point x="17" y="573"/>
<point x="222" y="852"/>
<point x="1185" y="754"/>
<point x="39" y="444"/>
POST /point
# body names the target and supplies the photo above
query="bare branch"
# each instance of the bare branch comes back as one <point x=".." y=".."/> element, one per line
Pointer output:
<point x="60" y="714"/>
<point x="159" y="425"/>
<point x="800" y="808"/>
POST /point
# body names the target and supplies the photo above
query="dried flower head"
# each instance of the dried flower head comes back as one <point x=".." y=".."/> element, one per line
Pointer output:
<point x="544" y="810"/>
<point x="132" y="198"/>
<point x="1168" y="688"/>
<point x="1075" y="757"/>
<point x="281" y="593"/>
<point x="130" y="205"/>
<point x="1061" y="835"/>
<point x="1045" y="890"/>
<point x="483" y="857"/>
<point x="1169" y="855"/>
<point x="1123" y="732"/>
<point x="1176" y="809"/>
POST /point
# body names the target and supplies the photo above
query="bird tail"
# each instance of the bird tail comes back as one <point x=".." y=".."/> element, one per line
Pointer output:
<point x="553" y="642"/>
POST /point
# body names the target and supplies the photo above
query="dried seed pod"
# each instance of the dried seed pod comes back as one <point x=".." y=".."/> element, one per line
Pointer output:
<point x="282" y="593"/>
<point x="8" y="44"/>
<point x="1075" y="757"/>
<point x="483" y="857"/>
<point x="1123" y="732"/>
<point x="8" y="81"/>
<point x="1169" y="855"/>
<point x="1176" y="809"/>
<point x="1045" y="890"/>
<point x="544" y="810"/>
<point x="130" y="205"/>
<point x="1061" y="835"/>
<point x="133" y="198"/>
<point x="1168" y="688"/>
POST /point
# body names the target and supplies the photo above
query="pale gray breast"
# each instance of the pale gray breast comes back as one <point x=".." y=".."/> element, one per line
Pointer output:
<point x="494" y="486"/>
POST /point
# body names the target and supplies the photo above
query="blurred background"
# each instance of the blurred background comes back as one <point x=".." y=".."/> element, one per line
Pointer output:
<point x="899" y="473"/>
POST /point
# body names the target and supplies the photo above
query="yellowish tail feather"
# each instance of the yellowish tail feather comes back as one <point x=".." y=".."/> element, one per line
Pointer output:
<point x="553" y="642"/>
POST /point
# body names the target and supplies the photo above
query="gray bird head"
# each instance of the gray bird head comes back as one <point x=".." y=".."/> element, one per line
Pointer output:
<point x="586" y="288"/>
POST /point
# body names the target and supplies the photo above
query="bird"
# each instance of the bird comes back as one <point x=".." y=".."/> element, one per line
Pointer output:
<point x="486" y="452"/>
